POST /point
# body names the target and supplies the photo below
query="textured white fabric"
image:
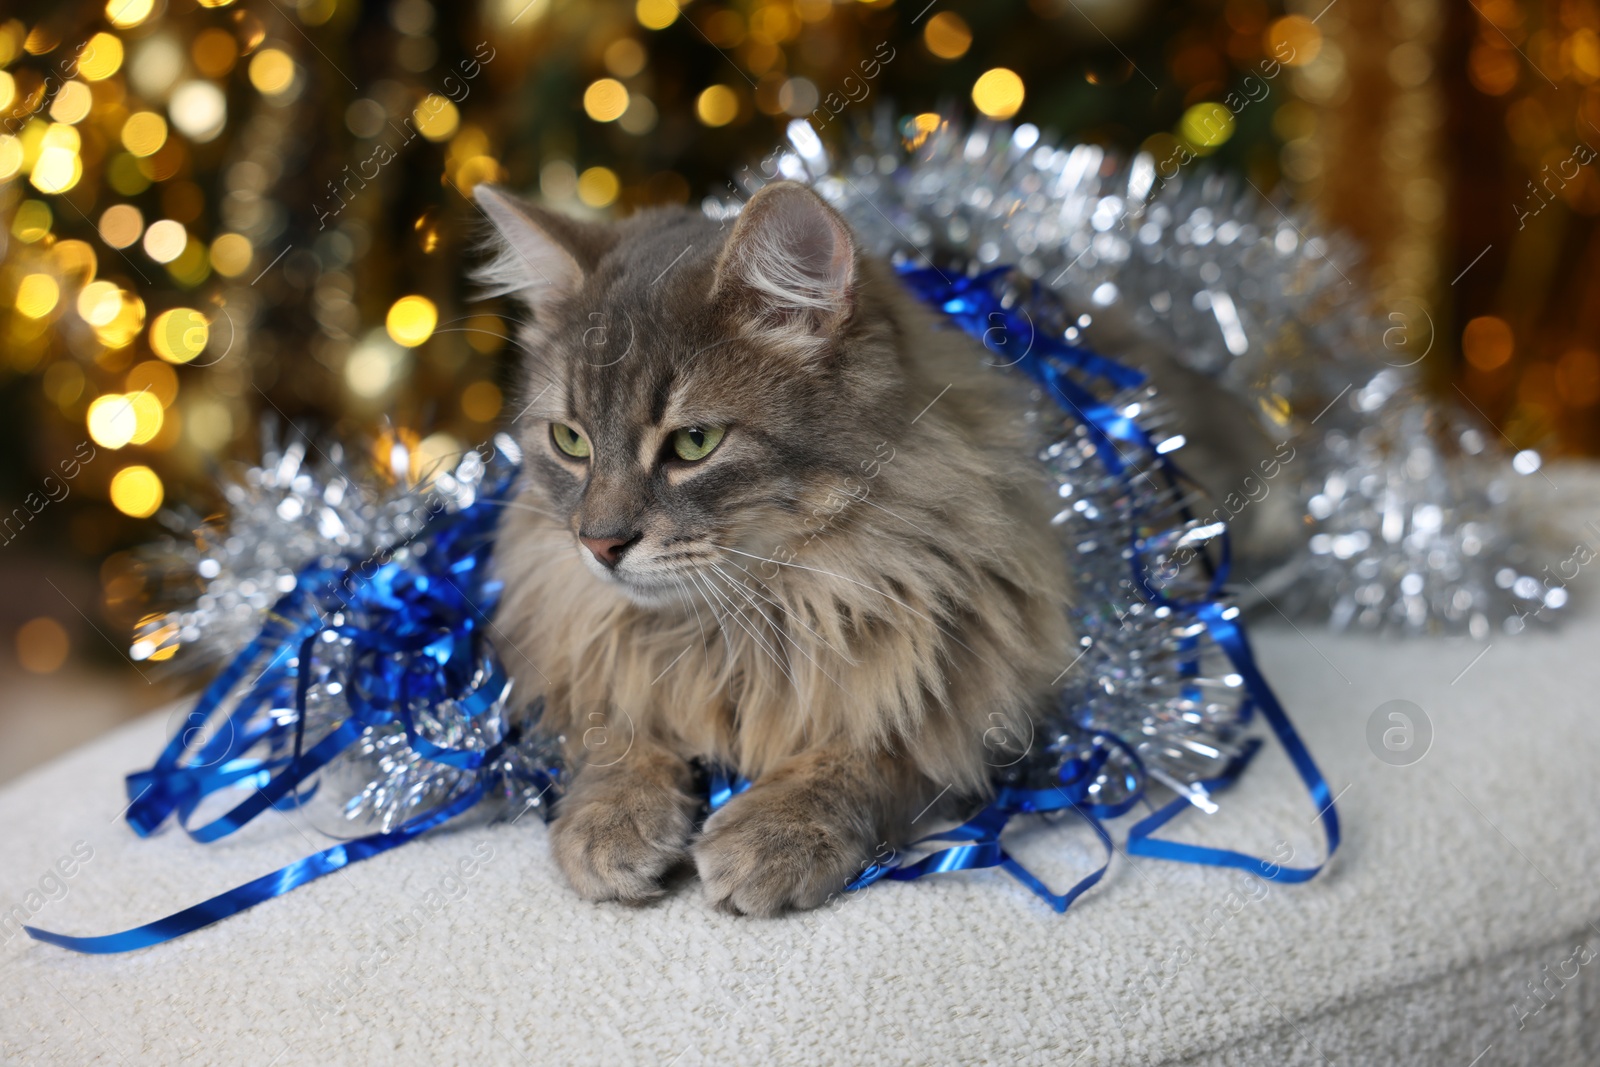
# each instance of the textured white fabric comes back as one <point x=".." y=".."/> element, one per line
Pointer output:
<point x="1464" y="878"/>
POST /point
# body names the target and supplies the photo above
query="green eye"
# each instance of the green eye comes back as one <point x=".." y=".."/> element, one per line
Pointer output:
<point x="697" y="442"/>
<point x="568" y="440"/>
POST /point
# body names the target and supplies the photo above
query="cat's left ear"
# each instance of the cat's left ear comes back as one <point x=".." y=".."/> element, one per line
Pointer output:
<point x="792" y="262"/>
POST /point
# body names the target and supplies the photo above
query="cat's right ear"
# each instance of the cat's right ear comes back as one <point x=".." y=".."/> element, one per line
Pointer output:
<point x="538" y="256"/>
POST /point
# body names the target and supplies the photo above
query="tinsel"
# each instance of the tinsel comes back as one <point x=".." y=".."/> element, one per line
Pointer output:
<point x="356" y="616"/>
<point x="1404" y="494"/>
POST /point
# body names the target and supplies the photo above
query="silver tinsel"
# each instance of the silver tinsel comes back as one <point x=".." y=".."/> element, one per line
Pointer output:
<point x="306" y="507"/>
<point x="1402" y="496"/>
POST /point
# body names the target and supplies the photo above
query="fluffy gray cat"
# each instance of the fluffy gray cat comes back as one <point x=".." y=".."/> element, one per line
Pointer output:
<point x="777" y="516"/>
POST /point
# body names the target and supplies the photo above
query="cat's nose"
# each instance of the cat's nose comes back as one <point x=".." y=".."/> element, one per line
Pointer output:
<point x="608" y="550"/>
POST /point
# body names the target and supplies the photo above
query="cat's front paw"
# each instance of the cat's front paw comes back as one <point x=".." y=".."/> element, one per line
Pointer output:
<point x="616" y="843"/>
<point x="773" y="849"/>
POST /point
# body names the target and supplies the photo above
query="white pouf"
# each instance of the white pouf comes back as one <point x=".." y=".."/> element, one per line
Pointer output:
<point x="1466" y="880"/>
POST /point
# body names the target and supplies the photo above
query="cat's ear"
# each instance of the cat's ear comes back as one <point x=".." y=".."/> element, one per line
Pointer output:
<point x="538" y="256"/>
<point x="792" y="262"/>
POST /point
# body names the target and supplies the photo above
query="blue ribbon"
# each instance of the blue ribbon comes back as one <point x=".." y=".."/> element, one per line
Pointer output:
<point x="413" y="633"/>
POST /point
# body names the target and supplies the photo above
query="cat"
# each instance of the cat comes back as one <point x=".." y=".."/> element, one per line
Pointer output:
<point x="776" y="516"/>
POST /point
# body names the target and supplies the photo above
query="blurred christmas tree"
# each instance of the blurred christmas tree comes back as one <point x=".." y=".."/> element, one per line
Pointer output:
<point x="225" y="210"/>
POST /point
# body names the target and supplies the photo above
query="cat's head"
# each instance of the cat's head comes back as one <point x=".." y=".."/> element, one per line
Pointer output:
<point x="692" y="392"/>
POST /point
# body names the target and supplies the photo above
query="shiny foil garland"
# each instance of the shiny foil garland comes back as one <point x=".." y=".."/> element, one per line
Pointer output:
<point x="1403" y="497"/>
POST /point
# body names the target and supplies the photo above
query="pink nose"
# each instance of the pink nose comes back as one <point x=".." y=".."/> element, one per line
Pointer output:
<point x="608" y="550"/>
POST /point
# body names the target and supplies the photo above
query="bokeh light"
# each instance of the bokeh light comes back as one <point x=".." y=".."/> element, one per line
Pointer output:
<point x="102" y="57"/>
<point x="42" y="645"/>
<point x="1293" y="40"/>
<point x="605" y="100"/>
<point x="656" y="14"/>
<point x="1487" y="342"/>
<point x="144" y="133"/>
<point x="72" y="102"/>
<point x="998" y="93"/>
<point x="272" y="72"/>
<point x="111" y="420"/>
<point x="598" y="187"/>
<point x="37" y="295"/>
<point x="165" y="240"/>
<point x="231" y="254"/>
<point x="121" y="225"/>
<point x="99" y="302"/>
<point x="1206" y="125"/>
<point x="717" y="105"/>
<point x="136" y="491"/>
<point x="411" y="320"/>
<point x="198" y="110"/>
<point x="947" y="35"/>
<point x="481" y="401"/>
<point x="437" y="118"/>
<point x="179" y="335"/>
<point x="127" y="13"/>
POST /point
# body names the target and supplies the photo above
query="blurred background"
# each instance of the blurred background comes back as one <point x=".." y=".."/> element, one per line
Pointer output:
<point x="217" y="212"/>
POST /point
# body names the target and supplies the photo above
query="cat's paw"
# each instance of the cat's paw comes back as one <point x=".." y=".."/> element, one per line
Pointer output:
<point x="617" y="843"/>
<point x="773" y="849"/>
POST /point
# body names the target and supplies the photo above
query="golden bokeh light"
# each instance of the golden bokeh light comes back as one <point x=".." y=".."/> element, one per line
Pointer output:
<point x="231" y="254"/>
<point x="56" y="170"/>
<point x="156" y="378"/>
<point x="214" y="52"/>
<point x="144" y="133"/>
<point x="147" y="416"/>
<point x="1488" y="343"/>
<point x="12" y="156"/>
<point x="998" y="93"/>
<point x="121" y="225"/>
<point x="598" y="186"/>
<point x="192" y="265"/>
<point x="126" y="323"/>
<point x="111" y="420"/>
<point x="624" y="57"/>
<point x="437" y="118"/>
<point x="99" y="302"/>
<point x="125" y="13"/>
<point x="37" y="295"/>
<point x="164" y="241"/>
<point x="179" y="335"/>
<point x="656" y="14"/>
<point x="1206" y="125"/>
<point x="125" y="176"/>
<point x="102" y="57"/>
<point x="42" y="645"/>
<point x="8" y="90"/>
<point x="1293" y="40"/>
<point x="605" y="100"/>
<point x="72" y="102"/>
<point x="486" y="334"/>
<point x="136" y="491"/>
<point x="481" y="401"/>
<point x="75" y="260"/>
<point x="198" y="110"/>
<point x="375" y="366"/>
<point x="32" y="221"/>
<point x="947" y="35"/>
<point x="272" y="71"/>
<point x="411" y="320"/>
<point x="718" y="105"/>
